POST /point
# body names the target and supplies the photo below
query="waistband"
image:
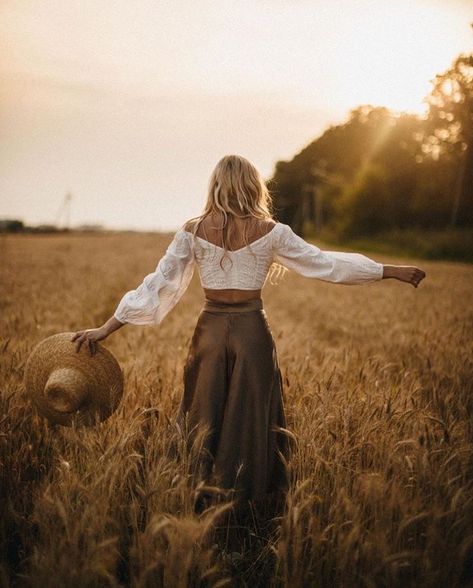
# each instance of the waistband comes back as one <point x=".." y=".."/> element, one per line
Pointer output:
<point x="245" y="306"/>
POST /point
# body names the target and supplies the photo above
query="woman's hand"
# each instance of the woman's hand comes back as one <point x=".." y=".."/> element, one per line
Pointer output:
<point x="90" y="338"/>
<point x="405" y="273"/>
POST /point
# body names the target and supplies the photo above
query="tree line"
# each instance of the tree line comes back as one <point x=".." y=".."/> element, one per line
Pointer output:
<point x="381" y="170"/>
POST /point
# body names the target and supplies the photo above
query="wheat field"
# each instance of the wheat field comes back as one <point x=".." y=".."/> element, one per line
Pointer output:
<point x="378" y="396"/>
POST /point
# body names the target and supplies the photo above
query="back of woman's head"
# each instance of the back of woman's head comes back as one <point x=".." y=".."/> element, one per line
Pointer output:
<point x="237" y="188"/>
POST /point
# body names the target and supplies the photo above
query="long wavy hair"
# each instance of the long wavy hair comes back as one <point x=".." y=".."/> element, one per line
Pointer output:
<point x="236" y="188"/>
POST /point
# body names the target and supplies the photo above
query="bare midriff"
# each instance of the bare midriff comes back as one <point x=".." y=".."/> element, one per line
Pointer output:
<point x="231" y="295"/>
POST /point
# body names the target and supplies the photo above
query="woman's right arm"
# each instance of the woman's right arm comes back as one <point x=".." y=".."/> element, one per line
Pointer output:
<point x="405" y="273"/>
<point x="308" y="260"/>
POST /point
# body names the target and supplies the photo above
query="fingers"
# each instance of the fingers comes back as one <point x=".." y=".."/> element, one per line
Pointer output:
<point x="78" y="338"/>
<point x="92" y="346"/>
<point x="420" y="275"/>
<point x="82" y="337"/>
<point x="417" y="276"/>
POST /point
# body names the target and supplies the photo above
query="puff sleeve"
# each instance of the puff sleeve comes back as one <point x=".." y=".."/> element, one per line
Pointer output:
<point x="160" y="290"/>
<point x="306" y="259"/>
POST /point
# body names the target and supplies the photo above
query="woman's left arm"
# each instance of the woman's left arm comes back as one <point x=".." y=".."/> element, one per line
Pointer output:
<point x="154" y="298"/>
<point x="91" y="336"/>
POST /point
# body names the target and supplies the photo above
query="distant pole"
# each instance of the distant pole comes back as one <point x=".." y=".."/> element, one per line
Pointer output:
<point x="64" y="212"/>
<point x="68" y="209"/>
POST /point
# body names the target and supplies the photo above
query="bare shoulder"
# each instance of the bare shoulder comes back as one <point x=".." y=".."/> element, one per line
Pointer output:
<point x="269" y="224"/>
<point x="189" y="225"/>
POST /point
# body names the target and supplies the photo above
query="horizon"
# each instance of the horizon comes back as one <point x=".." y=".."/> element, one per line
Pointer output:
<point x="130" y="110"/>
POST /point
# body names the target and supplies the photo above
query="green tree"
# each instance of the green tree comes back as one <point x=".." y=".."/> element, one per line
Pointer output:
<point x="449" y="131"/>
<point x="366" y="205"/>
<point x="423" y="166"/>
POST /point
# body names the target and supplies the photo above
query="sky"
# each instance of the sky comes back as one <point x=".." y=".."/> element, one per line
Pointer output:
<point x="128" y="106"/>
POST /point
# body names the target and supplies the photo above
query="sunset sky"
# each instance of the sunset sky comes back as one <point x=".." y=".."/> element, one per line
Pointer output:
<point x="129" y="105"/>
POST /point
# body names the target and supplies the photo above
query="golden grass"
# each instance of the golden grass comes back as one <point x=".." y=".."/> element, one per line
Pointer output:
<point x="378" y="394"/>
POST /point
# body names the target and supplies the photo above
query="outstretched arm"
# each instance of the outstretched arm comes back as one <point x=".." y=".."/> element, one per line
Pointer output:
<point x="405" y="273"/>
<point x="90" y="336"/>
<point x="154" y="298"/>
<point x="293" y="252"/>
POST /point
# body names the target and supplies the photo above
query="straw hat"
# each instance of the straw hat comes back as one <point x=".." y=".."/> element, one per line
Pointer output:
<point x="67" y="385"/>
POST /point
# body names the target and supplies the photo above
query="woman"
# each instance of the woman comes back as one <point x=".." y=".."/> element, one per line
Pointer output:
<point x="232" y="382"/>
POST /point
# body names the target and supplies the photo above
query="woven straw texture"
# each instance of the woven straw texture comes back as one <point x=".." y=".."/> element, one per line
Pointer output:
<point x="69" y="387"/>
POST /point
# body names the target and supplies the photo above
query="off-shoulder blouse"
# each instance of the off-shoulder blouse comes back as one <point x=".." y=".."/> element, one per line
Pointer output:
<point x="245" y="268"/>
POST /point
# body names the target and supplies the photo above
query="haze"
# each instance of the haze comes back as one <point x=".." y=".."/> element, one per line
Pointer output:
<point x="130" y="105"/>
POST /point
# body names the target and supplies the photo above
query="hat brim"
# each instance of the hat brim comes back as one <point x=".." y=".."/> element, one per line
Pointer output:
<point x="101" y="370"/>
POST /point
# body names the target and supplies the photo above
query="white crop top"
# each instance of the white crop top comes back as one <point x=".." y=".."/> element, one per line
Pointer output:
<point x="161" y="290"/>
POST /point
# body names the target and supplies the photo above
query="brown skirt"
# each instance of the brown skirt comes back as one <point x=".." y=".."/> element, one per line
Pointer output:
<point x="233" y="395"/>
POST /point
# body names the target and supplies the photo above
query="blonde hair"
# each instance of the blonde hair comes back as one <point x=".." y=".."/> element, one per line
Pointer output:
<point x="236" y="189"/>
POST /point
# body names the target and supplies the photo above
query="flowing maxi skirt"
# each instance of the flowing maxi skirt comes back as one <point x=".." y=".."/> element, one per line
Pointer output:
<point x="233" y="395"/>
